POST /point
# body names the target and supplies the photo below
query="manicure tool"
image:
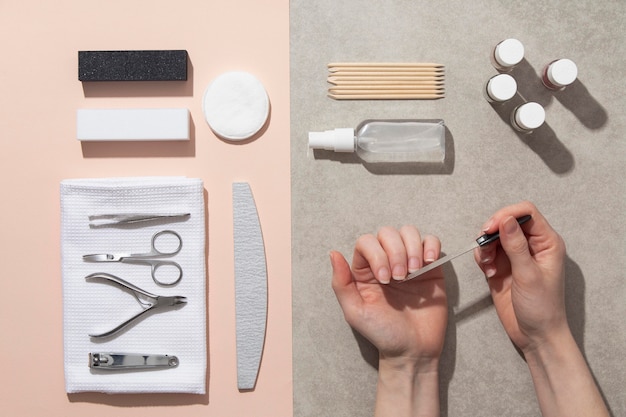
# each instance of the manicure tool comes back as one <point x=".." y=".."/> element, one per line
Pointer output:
<point x="385" y="80"/>
<point x="149" y="301"/>
<point x="129" y="361"/>
<point x="108" y="220"/>
<point x="148" y="258"/>
<point x="133" y="65"/>
<point x="250" y="286"/>
<point x="481" y="241"/>
<point x="133" y="124"/>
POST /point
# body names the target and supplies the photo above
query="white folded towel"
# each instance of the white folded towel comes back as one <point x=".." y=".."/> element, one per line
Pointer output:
<point x="95" y="307"/>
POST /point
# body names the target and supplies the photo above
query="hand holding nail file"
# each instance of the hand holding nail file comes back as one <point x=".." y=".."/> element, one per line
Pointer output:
<point x="481" y="241"/>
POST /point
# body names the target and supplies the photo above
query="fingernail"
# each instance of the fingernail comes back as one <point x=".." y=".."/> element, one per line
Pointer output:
<point x="486" y="260"/>
<point x="414" y="264"/>
<point x="510" y="226"/>
<point x="384" y="276"/>
<point x="490" y="271"/>
<point x="399" y="273"/>
<point x="429" y="256"/>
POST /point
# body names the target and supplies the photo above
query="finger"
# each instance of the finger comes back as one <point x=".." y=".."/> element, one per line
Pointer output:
<point x="500" y="286"/>
<point x="537" y="226"/>
<point x="343" y="285"/>
<point x="432" y="251"/>
<point x="393" y="245"/>
<point x="498" y="266"/>
<point x="485" y="256"/>
<point x="370" y="260"/>
<point x="432" y="248"/>
<point x="515" y="244"/>
<point x="413" y="245"/>
<point x="489" y="269"/>
<point x="516" y="210"/>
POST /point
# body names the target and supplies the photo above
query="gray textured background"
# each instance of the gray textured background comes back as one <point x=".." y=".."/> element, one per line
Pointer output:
<point x="572" y="168"/>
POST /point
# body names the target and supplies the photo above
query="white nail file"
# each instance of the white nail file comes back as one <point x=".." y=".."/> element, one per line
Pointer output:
<point x="250" y="286"/>
<point x="132" y="124"/>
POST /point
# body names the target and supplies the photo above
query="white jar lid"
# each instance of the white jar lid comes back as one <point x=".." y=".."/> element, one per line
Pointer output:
<point x="236" y="105"/>
<point x="530" y="115"/>
<point x="509" y="52"/>
<point x="502" y="87"/>
<point x="562" y="72"/>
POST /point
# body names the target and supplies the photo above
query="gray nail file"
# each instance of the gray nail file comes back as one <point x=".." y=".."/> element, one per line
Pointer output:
<point x="154" y="65"/>
<point x="250" y="286"/>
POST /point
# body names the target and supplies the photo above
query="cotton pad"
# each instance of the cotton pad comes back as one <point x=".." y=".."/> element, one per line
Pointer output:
<point x="236" y="105"/>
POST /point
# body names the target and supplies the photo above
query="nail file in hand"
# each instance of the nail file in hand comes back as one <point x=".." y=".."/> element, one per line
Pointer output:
<point x="250" y="286"/>
<point x="481" y="241"/>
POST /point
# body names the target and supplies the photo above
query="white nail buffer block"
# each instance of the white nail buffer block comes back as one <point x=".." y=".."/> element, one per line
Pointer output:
<point x="132" y="124"/>
<point x="250" y="286"/>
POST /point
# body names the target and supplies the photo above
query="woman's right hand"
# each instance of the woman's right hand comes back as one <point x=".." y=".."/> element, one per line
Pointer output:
<point x="525" y="272"/>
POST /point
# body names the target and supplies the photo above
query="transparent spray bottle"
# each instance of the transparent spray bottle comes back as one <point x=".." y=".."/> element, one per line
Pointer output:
<point x="387" y="141"/>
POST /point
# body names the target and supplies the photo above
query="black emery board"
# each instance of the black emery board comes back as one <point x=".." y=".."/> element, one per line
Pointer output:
<point x="166" y="65"/>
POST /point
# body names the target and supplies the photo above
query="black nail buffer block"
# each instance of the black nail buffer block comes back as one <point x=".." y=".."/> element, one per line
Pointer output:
<point x="169" y="65"/>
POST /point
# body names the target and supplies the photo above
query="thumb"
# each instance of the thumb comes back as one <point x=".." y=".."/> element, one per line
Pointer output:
<point x="515" y="245"/>
<point x="343" y="285"/>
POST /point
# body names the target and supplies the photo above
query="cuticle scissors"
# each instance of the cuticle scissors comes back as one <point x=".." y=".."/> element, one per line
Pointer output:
<point x="149" y="258"/>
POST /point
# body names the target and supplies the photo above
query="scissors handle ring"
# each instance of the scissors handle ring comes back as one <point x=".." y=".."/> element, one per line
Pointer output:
<point x="166" y="232"/>
<point x="157" y="264"/>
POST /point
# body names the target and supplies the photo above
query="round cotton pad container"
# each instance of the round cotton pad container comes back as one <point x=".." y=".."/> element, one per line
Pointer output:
<point x="236" y="105"/>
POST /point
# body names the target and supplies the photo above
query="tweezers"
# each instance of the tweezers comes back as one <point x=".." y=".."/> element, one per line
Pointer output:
<point x="149" y="301"/>
<point x="108" y="220"/>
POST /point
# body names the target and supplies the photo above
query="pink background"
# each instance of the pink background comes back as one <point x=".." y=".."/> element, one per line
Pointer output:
<point x="40" y="94"/>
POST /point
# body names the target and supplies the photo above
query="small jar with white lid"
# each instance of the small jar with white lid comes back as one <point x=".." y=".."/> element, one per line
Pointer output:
<point x="559" y="74"/>
<point x="500" y="88"/>
<point x="507" y="54"/>
<point x="528" y="117"/>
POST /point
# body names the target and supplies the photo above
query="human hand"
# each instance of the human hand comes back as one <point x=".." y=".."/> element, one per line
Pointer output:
<point x="406" y="321"/>
<point x="526" y="275"/>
